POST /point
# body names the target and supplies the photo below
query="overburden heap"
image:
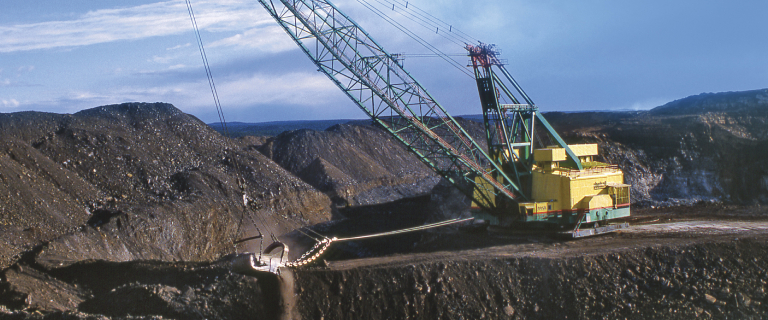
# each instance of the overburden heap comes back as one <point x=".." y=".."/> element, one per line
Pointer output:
<point x="136" y="181"/>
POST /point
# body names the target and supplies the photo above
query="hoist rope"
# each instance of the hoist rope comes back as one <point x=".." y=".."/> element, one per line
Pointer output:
<point x="223" y="122"/>
<point x="211" y="84"/>
<point x="412" y="229"/>
<point x="309" y="236"/>
<point x="315" y="232"/>
<point x="267" y="226"/>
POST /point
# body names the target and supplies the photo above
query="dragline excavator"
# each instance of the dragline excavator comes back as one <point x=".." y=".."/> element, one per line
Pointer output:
<point x="527" y="176"/>
<point x="520" y="179"/>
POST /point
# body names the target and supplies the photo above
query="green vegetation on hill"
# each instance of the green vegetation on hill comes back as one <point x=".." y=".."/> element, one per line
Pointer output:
<point x="741" y="101"/>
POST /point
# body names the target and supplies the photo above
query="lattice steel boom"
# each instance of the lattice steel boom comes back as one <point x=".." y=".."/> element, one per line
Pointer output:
<point x="380" y="86"/>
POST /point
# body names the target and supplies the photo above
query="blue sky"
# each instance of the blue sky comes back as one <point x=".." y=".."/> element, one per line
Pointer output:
<point x="65" y="56"/>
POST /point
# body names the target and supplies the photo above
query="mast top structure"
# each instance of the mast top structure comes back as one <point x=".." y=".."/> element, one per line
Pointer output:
<point x="510" y="126"/>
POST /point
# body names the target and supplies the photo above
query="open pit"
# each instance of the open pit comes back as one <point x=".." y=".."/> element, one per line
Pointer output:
<point x="130" y="211"/>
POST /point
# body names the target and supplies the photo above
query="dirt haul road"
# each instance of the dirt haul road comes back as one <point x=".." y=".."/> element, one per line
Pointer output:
<point x="657" y="269"/>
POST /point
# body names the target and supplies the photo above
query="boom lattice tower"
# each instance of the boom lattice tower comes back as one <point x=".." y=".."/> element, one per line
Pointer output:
<point x="379" y="85"/>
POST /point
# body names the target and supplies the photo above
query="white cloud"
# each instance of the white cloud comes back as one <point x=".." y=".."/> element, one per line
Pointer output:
<point x="157" y="19"/>
<point x="309" y="90"/>
<point x="179" y="46"/>
<point x="10" y="103"/>
<point x="159" y="59"/>
<point x="270" y="39"/>
<point x="25" y="69"/>
<point x="264" y="97"/>
<point x="299" y="88"/>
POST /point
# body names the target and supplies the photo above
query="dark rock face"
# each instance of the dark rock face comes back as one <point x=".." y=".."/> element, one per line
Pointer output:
<point x="136" y="181"/>
<point x="695" y="149"/>
<point x="710" y="280"/>
<point x="135" y="289"/>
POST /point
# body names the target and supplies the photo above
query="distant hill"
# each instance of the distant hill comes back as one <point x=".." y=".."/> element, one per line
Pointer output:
<point x="740" y="101"/>
<point x="274" y="128"/>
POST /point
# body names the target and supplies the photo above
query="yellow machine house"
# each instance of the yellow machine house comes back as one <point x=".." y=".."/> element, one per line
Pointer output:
<point x="566" y="196"/>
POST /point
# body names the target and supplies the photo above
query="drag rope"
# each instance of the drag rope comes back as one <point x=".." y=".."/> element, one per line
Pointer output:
<point x="320" y="247"/>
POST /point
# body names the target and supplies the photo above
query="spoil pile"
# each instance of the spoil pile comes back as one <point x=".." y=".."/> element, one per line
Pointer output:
<point x="356" y="164"/>
<point x="135" y="181"/>
<point x="353" y="165"/>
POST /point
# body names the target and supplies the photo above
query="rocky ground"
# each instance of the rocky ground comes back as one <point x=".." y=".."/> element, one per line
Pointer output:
<point x="708" y="147"/>
<point x="354" y="165"/>
<point x="714" y="270"/>
<point x="130" y="211"/>
<point x="138" y="289"/>
<point x="614" y="277"/>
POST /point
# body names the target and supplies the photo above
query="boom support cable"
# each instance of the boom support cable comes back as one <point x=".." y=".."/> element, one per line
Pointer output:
<point x="424" y="23"/>
<point x="416" y="38"/>
<point x="428" y="21"/>
<point x="429" y="17"/>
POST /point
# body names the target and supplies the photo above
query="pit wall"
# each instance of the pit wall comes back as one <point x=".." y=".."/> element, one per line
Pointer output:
<point x="712" y="280"/>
